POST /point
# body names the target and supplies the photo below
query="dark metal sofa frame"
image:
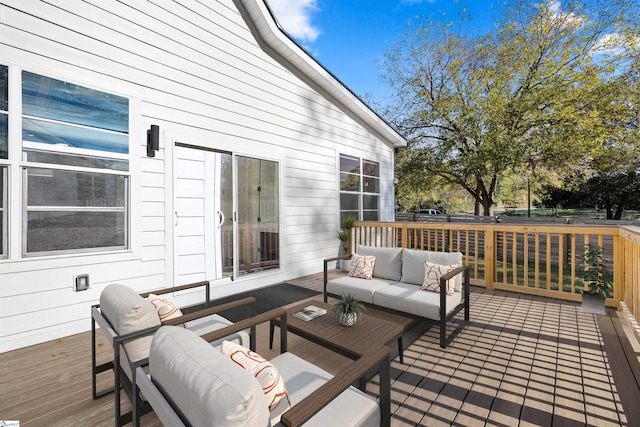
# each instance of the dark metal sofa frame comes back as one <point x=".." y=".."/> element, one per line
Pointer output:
<point x="444" y="317"/>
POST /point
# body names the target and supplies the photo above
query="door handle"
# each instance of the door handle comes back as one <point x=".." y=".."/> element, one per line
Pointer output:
<point x="176" y="217"/>
<point x="220" y="218"/>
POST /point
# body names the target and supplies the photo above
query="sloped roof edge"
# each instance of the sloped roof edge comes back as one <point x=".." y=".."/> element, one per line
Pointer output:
<point x="274" y="36"/>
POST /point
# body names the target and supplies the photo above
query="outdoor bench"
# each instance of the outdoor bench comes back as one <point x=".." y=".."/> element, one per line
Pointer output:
<point x="396" y="280"/>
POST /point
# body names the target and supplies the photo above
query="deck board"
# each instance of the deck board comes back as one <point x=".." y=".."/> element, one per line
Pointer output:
<point x="521" y="361"/>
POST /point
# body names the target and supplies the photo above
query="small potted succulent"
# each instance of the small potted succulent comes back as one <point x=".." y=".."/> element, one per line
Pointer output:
<point x="595" y="280"/>
<point x="348" y="309"/>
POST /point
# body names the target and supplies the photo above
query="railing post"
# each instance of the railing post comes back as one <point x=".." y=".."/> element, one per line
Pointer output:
<point x="618" y="269"/>
<point x="489" y="256"/>
<point x="405" y="235"/>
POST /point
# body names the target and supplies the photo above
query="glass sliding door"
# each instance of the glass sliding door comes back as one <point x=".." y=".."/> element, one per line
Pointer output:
<point x="225" y="214"/>
<point x="258" y="215"/>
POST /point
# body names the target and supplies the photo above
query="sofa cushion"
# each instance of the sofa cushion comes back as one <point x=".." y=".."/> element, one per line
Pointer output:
<point x="433" y="273"/>
<point x="413" y="265"/>
<point x="409" y="298"/>
<point x="362" y="266"/>
<point x="205" y="386"/>
<point x="267" y="375"/>
<point x="361" y="289"/>
<point x="351" y="408"/>
<point x="388" y="261"/>
<point x="129" y="312"/>
<point x="165" y="308"/>
<point x="214" y="322"/>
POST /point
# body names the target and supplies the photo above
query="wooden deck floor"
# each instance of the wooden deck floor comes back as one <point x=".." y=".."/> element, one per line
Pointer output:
<point x="521" y="361"/>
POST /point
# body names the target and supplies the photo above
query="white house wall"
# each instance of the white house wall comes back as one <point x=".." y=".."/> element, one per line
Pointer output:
<point x="195" y="69"/>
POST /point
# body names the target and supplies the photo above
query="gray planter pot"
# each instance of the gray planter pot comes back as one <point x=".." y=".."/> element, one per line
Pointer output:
<point x="593" y="304"/>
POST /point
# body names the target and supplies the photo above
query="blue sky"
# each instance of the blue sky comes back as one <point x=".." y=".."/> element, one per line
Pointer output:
<point x="349" y="37"/>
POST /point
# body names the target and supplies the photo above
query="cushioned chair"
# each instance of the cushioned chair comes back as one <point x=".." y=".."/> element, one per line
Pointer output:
<point x="191" y="383"/>
<point x="128" y="320"/>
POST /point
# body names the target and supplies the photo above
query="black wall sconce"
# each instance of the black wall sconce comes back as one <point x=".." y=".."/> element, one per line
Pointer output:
<point x="153" y="140"/>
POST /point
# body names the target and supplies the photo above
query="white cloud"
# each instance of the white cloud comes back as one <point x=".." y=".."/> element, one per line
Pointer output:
<point x="295" y="17"/>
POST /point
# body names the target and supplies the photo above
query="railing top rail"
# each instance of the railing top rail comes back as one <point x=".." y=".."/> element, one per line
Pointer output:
<point x="533" y="227"/>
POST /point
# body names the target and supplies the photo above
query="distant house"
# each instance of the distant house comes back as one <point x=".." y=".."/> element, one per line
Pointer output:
<point x="260" y="151"/>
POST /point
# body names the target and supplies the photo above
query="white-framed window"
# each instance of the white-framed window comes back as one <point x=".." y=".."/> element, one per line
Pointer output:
<point x="75" y="167"/>
<point x="359" y="188"/>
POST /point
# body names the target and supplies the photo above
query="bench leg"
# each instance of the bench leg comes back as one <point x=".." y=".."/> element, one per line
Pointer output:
<point x="401" y="350"/>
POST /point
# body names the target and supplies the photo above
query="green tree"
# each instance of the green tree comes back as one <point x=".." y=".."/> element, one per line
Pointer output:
<point x="529" y="94"/>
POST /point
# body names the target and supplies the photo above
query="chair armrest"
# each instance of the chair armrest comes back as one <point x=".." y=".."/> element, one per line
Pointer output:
<point x="246" y="323"/>
<point x="301" y="412"/>
<point x="178" y="288"/>
<point x="161" y="407"/>
<point x="209" y="311"/>
<point x="336" y="258"/>
<point x="326" y="270"/>
<point x="453" y="273"/>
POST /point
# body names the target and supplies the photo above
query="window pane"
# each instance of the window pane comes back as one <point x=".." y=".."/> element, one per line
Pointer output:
<point x="4" y="136"/>
<point x="349" y="182"/>
<point x="349" y="164"/>
<point x="370" y="168"/>
<point x="75" y="160"/>
<point x="349" y="202"/>
<point x="4" y="88"/>
<point x="370" y="202"/>
<point x="4" y="107"/>
<point x="57" y="231"/>
<point x="34" y="130"/>
<point x="48" y="187"/>
<point x="371" y="185"/>
<point x="66" y="102"/>
<point x="344" y="214"/>
<point x="370" y="215"/>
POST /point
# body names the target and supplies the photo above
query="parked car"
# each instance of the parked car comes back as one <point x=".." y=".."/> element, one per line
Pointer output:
<point x="429" y="212"/>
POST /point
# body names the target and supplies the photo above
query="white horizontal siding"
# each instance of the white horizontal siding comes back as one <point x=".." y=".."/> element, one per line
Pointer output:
<point x="194" y="69"/>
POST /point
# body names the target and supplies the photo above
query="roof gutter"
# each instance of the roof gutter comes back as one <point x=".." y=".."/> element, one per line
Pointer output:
<point x="275" y="38"/>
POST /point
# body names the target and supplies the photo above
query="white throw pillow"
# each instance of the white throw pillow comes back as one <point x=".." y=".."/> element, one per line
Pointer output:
<point x="432" y="274"/>
<point x="362" y="266"/>
<point x="165" y="308"/>
<point x="267" y="375"/>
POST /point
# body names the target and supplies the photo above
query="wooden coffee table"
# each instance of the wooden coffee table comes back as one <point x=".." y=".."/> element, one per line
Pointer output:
<point x="354" y="342"/>
<point x="350" y="341"/>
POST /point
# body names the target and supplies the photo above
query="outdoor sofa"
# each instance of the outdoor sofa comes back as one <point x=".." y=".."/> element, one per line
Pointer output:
<point x="192" y="383"/>
<point x="128" y="320"/>
<point x="393" y="279"/>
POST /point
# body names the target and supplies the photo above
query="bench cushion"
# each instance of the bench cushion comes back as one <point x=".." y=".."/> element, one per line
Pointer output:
<point x="205" y="386"/>
<point x="388" y="261"/>
<point x="413" y="265"/>
<point x="129" y="312"/>
<point x="409" y="298"/>
<point x="361" y="289"/>
<point x="351" y="408"/>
